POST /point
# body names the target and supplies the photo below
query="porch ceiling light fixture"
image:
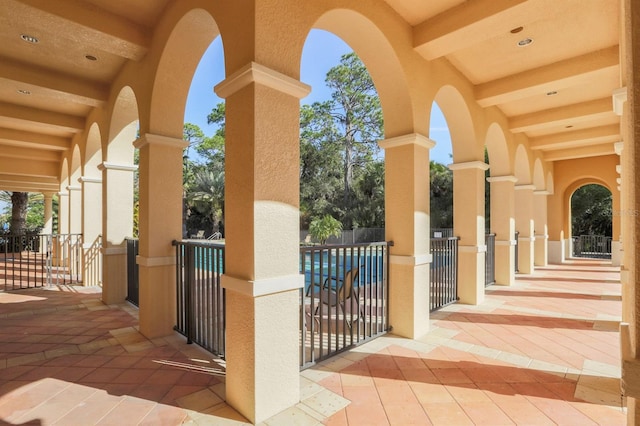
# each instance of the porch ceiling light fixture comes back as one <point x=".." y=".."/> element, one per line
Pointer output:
<point x="90" y="57"/>
<point x="552" y="93"/>
<point x="516" y="30"/>
<point x="569" y="126"/>
<point x="24" y="92"/>
<point x="525" y="42"/>
<point x="29" y="38"/>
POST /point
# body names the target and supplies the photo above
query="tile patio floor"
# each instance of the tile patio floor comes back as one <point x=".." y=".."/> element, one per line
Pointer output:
<point x="544" y="351"/>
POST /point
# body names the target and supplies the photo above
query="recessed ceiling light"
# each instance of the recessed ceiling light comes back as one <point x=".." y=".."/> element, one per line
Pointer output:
<point x="91" y="57"/>
<point x="552" y="93"/>
<point x="568" y="127"/>
<point x="525" y="42"/>
<point x="29" y="38"/>
<point x="516" y="30"/>
<point x="24" y="92"/>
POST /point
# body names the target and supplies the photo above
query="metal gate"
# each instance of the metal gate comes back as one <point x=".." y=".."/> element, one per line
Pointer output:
<point x="33" y="260"/>
<point x="444" y="272"/>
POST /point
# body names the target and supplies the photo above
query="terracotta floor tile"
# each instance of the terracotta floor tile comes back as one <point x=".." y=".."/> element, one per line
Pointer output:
<point x="446" y="414"/>
<point x="431" y="393"/>
<point x="164" y="415"/>
<point x="483" y="413"/>
<point x="450" y="375"/>
<point x="102" y="375"/>
<point x="406" y="414"/>
<point x="131" y="409"/>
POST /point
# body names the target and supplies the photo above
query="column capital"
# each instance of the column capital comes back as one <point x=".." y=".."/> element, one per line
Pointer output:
<point x="408" y="139"/>
<point x="506" y="178"/>
<point x="265" y="76"/>
<point x="114" y="166"/>
<point x="48" y="195"/>
<point x="619" y="98"/>
<point x="87" y="179"/>
<point x="151" y="139"/>
<point x="525" y="187"/>
<point x="480" y="165"/>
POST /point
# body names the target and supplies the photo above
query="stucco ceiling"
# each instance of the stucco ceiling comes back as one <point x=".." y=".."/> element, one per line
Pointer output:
<point x="557" y="90"/>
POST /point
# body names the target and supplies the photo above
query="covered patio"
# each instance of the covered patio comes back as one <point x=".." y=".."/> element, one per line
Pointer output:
<point x="543" y="351"/>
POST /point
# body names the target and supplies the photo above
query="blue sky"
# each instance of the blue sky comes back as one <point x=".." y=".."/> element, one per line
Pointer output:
<point x="322" y="51"/>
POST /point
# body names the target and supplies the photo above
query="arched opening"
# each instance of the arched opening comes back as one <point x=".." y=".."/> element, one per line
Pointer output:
<point x="342" y="167"/>
<point x="204" y="158"/>
<point x="591" y="221"/>
<point x="440" y="176"/>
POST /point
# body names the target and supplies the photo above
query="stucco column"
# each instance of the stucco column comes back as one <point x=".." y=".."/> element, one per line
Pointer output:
<point x="617" y="222"/>
<point x="63" y="212"/>
<point x="468" y="223"/>
<point x="524" y="226"/>
<point x="540" y="227"/>
<point x="47" y="229"/>
<point x="160" y="223"/>
<point x="75" y="209"/>
<point x="91" y="229"/>
<point x="503" y="225"/>
<point x="630" y="335"/>
<point x="48" y="213"/>
<point x="262" y="273"/>
<point x="117" y="224"/>
<point x="407" y="225"/>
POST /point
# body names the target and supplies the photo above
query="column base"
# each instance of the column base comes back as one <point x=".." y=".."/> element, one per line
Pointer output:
<point x="409" y="299"/>
<point x="470" y="275"/>
<point x="556" y="251"/>
<point x="114" y="275"/>
<point x="616" y="253"/>
<point x="262" y="354"/>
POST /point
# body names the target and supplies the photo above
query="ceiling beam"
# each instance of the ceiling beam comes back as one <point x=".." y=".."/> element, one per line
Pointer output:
<point x="109" y="32"/>
<point x="562" y="116"/>
<point x="66" y="87"/>
<point x="582" y="152"/>
<point x="553" y="77"/>
<point x="28" y="184"/>
<point x="575" y="138"/>
<point x="462" y="26"/>
<point x="25" y="167"/>
<point x="29" y="153"/>
<point x="33" y="140"/>
<point x="70" y="123"/>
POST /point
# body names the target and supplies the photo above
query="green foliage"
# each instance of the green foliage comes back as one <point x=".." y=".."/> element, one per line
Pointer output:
<point x="441" y="195"/>
<point x="322" y="228"/>
<point x="338" y="145"/>
<point x="591" y="211"/>
<point x="24" y="212"/>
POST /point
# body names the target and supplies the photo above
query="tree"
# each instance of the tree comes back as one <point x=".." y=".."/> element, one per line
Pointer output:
<point x="351" y="122"/>
<point x="591" y="211"/>
<point x="441" y="195"/>
<point x="322" y="228"/>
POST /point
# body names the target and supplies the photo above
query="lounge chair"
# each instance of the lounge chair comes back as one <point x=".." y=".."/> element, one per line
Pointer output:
<point x="337" y="293"/>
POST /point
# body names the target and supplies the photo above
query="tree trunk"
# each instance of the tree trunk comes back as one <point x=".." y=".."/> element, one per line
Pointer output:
<point x="19" y="202"/>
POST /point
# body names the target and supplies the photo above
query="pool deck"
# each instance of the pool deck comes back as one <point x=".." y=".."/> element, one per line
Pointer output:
<point x="543" y="351"/>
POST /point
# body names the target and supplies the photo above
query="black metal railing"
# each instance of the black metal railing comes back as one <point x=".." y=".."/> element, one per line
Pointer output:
<point x="36" y="260"/>
<point x="441" y="232"/>
<point x="490" y="260"/>
<point x="444" y="272"/>
<point x="592" y="246"/>
<point x="133" y="282"/>
<point x="515" y="250"/>
<point x="24" y="261"/>
<point x="343" y="304"/>
<point x="66" y="259"/>
<point x="200" y="296"/>
<point x="345" y="299"/>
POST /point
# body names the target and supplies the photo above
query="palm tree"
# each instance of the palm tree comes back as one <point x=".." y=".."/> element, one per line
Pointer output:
<point x="206" y="194"/>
